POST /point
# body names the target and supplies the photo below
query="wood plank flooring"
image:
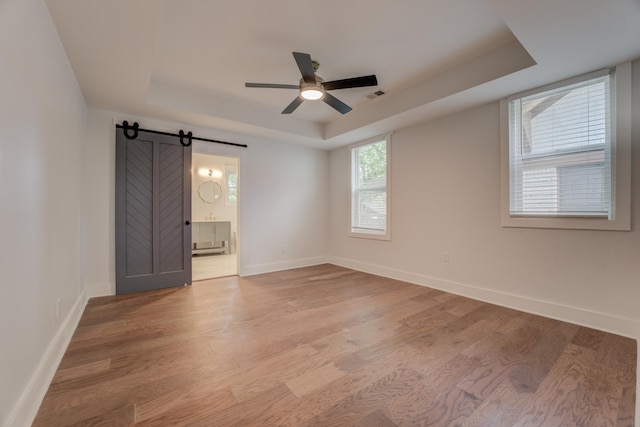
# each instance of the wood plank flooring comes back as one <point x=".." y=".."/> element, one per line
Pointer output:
<point x="213" y="266"/>
<point x="328" y="346"/>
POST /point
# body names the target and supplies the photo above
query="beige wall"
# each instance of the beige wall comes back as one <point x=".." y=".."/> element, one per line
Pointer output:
<point x="43" y="129"/>
<point x="57" y="165"/>
<point x="446" y="197"/>
<point x="282" y="209"/>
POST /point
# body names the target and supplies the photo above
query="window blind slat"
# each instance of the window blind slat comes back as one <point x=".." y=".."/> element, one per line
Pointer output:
<point x="560" y="161"/>
<point x="369" y="188"/>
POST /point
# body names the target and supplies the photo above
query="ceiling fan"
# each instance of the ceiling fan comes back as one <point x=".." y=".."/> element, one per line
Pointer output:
<point x="313" y="87"/>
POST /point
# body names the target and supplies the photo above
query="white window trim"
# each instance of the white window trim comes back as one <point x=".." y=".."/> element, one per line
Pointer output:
<point x="621" y="166"/>
<point x="387" y="235"/>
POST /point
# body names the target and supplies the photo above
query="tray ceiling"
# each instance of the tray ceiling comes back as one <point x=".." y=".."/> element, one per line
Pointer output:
<point x="188" y="60"/>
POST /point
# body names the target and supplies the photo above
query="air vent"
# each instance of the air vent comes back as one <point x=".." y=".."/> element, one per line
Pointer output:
<point x="375" y="94"/>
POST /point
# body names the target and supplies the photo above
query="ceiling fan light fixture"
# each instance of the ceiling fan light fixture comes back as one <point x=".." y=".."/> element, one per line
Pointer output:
<point x="312" y="92"/>
<point x="313" y="87"/>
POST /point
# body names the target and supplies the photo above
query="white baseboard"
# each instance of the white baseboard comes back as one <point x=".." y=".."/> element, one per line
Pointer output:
<point x="596" y="320"/>
<point x="26" y="409"/>
<point x="251" y="270"/>
<point x="105" y="289"/>
<point x="101" y="290"/>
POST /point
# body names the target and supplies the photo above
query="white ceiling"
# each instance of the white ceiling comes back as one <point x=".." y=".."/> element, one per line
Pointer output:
<point x="188" y="60"/>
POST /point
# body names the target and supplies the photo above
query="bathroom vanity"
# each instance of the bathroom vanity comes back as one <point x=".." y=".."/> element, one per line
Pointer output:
<point x="209" y="237"/>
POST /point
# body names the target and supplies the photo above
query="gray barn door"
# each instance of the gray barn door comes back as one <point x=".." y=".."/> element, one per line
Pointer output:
<point x="153" y="212"/>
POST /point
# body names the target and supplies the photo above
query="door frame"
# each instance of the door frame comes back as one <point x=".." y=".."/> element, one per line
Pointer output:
<point x="241" y="155"/>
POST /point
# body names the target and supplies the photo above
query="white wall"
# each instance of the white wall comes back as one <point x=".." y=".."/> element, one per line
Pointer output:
<point x="57" y="165"/>
<point x="221" y="210"/>
<point x="43" y="123"/>
<point x="446" y="197"/>
<point x="282" y="207"/>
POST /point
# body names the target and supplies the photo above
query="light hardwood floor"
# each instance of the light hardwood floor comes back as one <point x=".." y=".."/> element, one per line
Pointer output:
<point x="213" y="266"/>
<point x="328" y="346"/>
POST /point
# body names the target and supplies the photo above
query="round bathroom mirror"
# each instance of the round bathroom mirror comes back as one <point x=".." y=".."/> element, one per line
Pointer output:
<point x="210" y="192"/>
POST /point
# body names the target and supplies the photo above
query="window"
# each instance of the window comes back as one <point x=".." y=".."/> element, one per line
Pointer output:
<point x="231" y="179"/>
<point x="562" y="145"/>
<point x="370" y="188"/>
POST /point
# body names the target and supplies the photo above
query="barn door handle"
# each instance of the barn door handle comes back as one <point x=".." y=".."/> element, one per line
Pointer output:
<point x="187" y="222"/>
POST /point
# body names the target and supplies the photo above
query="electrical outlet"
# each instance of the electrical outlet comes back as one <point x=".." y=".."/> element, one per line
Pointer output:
<point x="57" y="308"/>
<point x="445" y="256"/>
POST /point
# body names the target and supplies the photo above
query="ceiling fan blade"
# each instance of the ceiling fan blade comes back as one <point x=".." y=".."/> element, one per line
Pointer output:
<point x="352" y="82"/>
<point x="272" y="85"/>
<point x="306" y="66"/>
<point x="336" y="103"/>
<point x="291" y="107"/>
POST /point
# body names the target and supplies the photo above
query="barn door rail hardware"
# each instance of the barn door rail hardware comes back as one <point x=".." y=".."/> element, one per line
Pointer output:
<point x="135" y="128"/>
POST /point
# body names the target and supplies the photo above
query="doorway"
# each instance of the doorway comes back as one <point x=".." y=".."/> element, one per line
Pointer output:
<point x="214" y="216"/>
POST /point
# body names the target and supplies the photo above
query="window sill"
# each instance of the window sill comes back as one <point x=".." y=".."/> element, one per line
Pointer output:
<point x="371" y="236"/>
<point x="620" y="224"/>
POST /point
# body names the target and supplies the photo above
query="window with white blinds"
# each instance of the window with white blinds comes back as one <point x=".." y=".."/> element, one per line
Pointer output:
<point x="560" y="162"/>
<point x="370" y="189"/>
